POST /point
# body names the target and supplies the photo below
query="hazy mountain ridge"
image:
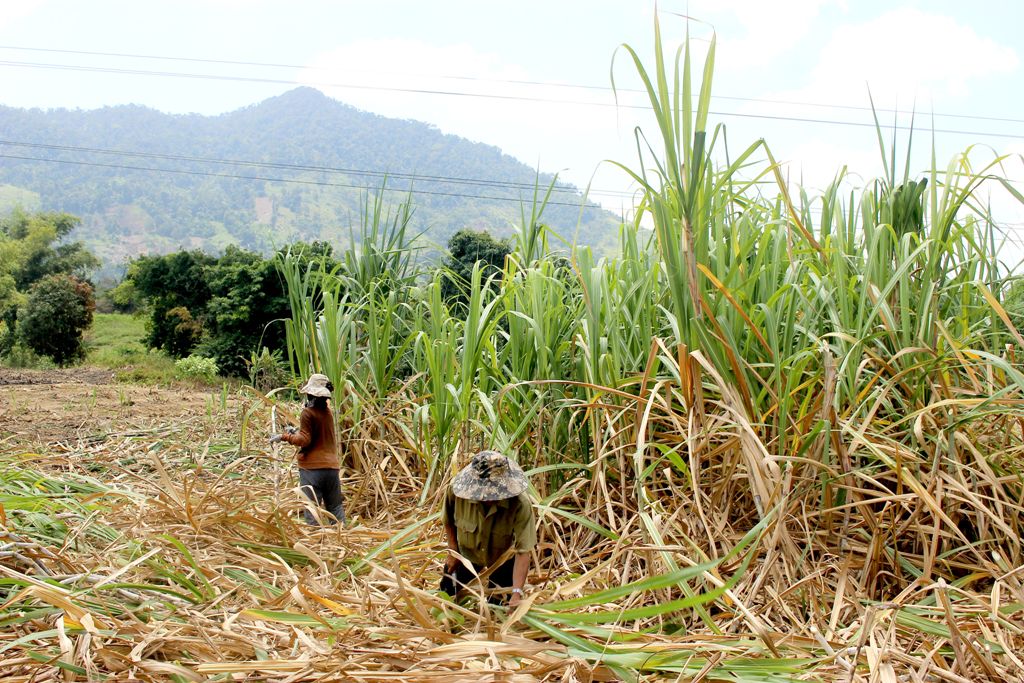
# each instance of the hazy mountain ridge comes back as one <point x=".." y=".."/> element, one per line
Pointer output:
<point x="126" y="211"/>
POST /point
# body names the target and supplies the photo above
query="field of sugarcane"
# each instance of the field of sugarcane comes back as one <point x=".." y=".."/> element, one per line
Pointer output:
<point x="778" y="437"/>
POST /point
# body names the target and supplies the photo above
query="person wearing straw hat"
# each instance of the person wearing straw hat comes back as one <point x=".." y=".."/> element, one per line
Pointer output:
<point x="489" y="520"/>
<point x="318" y="450"/>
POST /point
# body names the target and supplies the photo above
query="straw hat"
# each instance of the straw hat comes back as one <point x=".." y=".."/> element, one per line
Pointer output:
<point x="317" y="385"/>
<point x="490" y="476"/>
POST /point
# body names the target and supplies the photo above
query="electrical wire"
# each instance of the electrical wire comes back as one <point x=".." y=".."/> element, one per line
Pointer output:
<point x="508" y="81"/>
<point x="1007" y="226"/>
<point x="303" y="167"/>
<point x="495" y="96"/>
<point x="300" y="181"/>
<point x="406" y="176"/>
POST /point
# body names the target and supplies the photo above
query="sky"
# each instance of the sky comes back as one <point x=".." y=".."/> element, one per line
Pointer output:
<point x="534" y="78"/>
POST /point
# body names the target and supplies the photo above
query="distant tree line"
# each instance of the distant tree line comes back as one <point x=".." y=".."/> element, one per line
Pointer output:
<point x="222" y="307"/>
<point x="227" y="307"/>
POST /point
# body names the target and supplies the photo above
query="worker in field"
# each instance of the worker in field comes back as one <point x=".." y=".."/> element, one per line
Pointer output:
<point x="318" y="449"/>
<point x="488" y="520"/>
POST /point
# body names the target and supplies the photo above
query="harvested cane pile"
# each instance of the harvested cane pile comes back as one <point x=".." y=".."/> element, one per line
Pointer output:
<point x="177" y="554"/>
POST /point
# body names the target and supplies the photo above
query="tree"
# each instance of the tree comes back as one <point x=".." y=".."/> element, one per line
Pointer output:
<point x="218" y="307"/>
<point x="182" y="332"/>
<point x="125" y="297"/>
<point x="247" y="295"/>
<point x="30" y="250"/>
<point x="37" y="251"/>
<point x="174" y="282"/>
<point x="57" y="311"/>
<point x="466" y="248"/>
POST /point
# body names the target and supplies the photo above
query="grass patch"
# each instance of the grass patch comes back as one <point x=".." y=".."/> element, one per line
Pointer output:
<point x="115" y="341"/>
<point x="119" y="331"/>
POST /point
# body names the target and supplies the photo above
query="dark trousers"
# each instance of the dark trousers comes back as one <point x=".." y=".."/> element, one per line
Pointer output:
<point x="323" y="487"/>
<point x="461" y="577"/>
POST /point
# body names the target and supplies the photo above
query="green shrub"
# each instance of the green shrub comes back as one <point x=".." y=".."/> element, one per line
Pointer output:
<point x="175" y="292"/>
<point x="196" y="367"/>
<point x="267" y="370"/>
<point x="466" y="248"/>
<point x="20" y="356"/>
<point x="58" y="310"/>
<point x="125" y="297"/>
<point x="226" y="307"/>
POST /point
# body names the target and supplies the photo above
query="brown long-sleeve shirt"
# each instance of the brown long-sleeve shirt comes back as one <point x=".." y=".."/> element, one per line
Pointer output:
<point x="318" y="449"/>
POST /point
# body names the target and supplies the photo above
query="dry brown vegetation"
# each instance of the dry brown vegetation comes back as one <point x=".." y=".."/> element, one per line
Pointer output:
<point x="177" y="554"/>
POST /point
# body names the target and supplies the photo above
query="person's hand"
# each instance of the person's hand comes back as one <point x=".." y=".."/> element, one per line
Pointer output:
<point x="451" y="563"/>
<point x="275" y="438"/>
<point x="517" y="597"/>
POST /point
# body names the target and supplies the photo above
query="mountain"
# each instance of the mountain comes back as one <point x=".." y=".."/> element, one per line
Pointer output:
<point x="147" y="182"/>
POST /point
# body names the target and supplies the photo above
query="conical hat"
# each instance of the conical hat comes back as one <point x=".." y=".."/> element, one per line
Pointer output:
<point x="490" y="476"/>
<point x="316" y="385"/>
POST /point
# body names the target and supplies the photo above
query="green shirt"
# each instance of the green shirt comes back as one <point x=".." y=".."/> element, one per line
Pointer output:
<point x="484" y="531"/>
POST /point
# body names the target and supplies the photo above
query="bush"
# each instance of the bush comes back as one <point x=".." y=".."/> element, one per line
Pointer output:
<point x="173" y="330"/>
<point x="246" y="297"/>
<point x="22" y="357"/>
<point x="465" y="249"/>
<point x="226" y="308"/>
<point x="196" y="367"/>
<point x="175" y="291"/>
<point x="184" y="332"/>
<point x="58" y="310"/>
<point x="125" y="297"/>
<point x="267" y="370"/>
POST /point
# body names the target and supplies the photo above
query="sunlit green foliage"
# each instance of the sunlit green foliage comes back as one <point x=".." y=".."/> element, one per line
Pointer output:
<point x="466" y="248"/>
<point x="777" y="437"/>
<point x="224" y="307"/>
<point x="33" y="247"/>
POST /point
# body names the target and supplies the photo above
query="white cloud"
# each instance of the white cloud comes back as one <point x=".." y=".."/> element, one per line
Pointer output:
<point x="235" y="3"/>
<point x="903" y="51"/>
<point x="12" y="11"/>
<point x="404" y="75"/>
<point x="815" y="163"/>
<point x="767" y="29"/>
<point x="907" y="58"/>
<point x="906" y="53"/>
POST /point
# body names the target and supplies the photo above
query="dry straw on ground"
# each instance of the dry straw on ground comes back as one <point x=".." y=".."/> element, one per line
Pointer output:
<point x="174" y="554"/>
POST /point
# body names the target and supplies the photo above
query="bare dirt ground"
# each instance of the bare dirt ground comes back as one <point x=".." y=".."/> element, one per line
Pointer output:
<point x="56" y="406"/>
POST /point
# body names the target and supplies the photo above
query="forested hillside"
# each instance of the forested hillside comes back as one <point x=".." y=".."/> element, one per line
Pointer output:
<point x="144" y="182"/>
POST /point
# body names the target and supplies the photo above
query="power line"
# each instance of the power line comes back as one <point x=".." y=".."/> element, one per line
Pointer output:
<point x="302" y="167"/>
<point x="518" y="98"/>
<point x="1005" y="227"/>
<point x="322" y="183"/>
<point x="509" y="81"/>
<point x="384" y="175"/>
<point x="198" y="60"/>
